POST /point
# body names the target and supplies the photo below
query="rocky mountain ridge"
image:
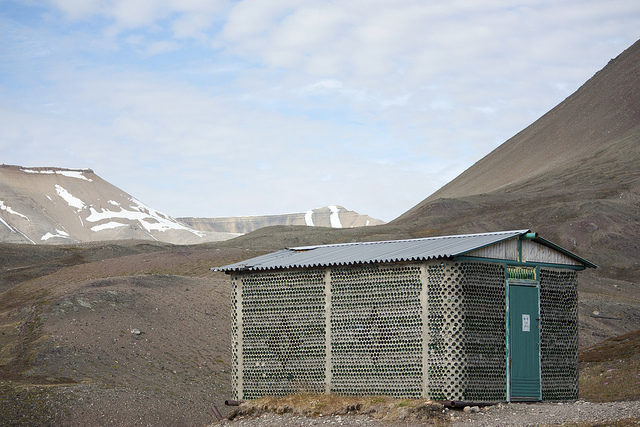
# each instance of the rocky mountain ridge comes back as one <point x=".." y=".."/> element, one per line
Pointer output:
<point x="329" y="216"/>
<point x="49" y="205"/>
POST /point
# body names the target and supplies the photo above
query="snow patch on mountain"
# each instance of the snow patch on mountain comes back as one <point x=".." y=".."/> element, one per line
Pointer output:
<point x="107" y="226"/>
<point x="334" y="217"/>
<point x="72" y="201"/>
<point x="149" y="218"/>
<point x="74" y="174"/>
<point x="15" y="230"/>
<point x="11" y="211"/>
<point x="46" y="172"/>
<point x="95" y="216"/>
<point x="50" y="205"/>
<point x="308" y="218"/>
<point x="59" y="233"/>
<point x="78" y="174"/>
<point x="8" y="226"/>
<point x="144" y="208"/>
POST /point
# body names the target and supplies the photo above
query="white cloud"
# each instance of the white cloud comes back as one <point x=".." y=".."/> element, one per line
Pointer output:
<point x="191" y="25"/>
<point x="78" y="9"/>
<point x="309" y="28"/>
<point x="156" y="48"/>
<point x="251" y="18"/>
<point x="188" y="18"/>
<point x="397" y="101"/>
<point x="322" y="85"/>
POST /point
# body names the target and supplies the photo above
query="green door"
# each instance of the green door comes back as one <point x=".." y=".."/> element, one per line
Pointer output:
<point x="524" y="342"/>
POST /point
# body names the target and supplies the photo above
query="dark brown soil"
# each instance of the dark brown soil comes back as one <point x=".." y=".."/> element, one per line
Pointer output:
<point x="138" y="339"/>
<point x="610" y="370"/>
<point x="19" y="262"/>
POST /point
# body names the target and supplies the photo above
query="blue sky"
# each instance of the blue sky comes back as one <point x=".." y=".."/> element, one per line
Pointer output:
<point x="225" y="108"/>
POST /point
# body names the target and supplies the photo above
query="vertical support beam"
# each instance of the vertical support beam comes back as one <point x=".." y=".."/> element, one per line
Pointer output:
<point x="424" y="302"/>
<point x="240" y="338"/>
<point x="539" y="326"/>
<point x="507" y="331"/>
<point x="327" y="331"/>
<point x="519" y="249"/>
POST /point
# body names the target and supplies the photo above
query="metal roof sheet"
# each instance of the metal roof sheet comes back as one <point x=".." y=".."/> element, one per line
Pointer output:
<point x="371" y="252"/>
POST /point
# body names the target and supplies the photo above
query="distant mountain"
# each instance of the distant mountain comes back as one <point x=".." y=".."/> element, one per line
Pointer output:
<point x="330" y="216"/>
<point x="54" y="205"/>
<point x="48" y="205"/>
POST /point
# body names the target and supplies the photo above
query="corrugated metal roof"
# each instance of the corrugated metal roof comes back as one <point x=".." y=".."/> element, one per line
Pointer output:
<point x="371" y="252"/>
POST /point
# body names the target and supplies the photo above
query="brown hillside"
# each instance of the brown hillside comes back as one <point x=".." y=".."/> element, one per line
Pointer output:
<point x="19" y="263"/>
<point x="140" y="338"/>
<point x="605" y="109"/>
<point x="610" y="370"/>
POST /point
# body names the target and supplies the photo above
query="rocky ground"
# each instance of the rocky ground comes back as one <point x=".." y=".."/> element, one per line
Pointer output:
<point x="579" y="412"/>
<point x="289" y="420"/>
<point x="140" y="339"/>
<point x="515" y="414"/>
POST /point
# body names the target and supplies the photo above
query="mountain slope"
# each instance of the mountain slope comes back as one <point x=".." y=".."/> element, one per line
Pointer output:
<point x="604" y="110"/>
<point x="54" y="205"/>
<point x="329" y="216"/>
<point x="573" y="174"/>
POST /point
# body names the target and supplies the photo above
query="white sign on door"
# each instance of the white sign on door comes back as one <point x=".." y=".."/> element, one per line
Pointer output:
<point x="526" y="323"/>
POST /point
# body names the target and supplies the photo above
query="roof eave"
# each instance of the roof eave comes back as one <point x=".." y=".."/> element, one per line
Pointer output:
<point x="586" y="263"/>
<point x="249" y="269"/>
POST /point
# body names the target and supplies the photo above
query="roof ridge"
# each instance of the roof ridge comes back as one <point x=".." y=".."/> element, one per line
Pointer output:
<point x="330" y="245"/>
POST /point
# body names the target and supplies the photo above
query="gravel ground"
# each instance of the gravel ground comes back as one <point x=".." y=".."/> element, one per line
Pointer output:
<point x="550" y="413"/>
<point x="516" y="414"/>
<point x="290" y="420"/>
